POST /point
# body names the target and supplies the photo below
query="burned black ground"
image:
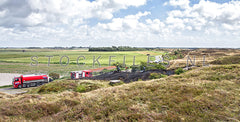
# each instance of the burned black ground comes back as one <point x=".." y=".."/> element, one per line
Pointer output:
<point x="128" y="77"/>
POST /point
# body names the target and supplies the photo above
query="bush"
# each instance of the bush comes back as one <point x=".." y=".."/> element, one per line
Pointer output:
<point x="181" y="56"/>
<point x="134" y="68"/>
<point x="159" y="66"/>
<point x="104" y="70"/>
<point x="151" y="66"/>
<point x="156" y="76"/>
<point x="54" y="87"/>
<point x="175" y="52"/>
<point x="54" y="76"/>
<point x="179" y="71"/>
<point x="142" y="65"/>
<point x="81" y="88"/>
<point x="86" y="87"/>
<point x="118" y="64"/>
<point x="227" y="60"/>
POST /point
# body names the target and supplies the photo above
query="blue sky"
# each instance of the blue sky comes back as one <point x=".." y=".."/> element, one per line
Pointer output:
<point x="141" y="23"/>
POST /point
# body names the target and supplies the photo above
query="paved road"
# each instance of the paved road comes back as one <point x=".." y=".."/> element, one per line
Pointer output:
<point x="13" y="91"/>
<point x="6" y="78"/>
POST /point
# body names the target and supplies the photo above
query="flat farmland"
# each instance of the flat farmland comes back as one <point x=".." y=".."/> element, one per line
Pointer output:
<point x="19" y="60"/>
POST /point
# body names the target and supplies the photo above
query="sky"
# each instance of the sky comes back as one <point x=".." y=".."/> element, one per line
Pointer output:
<point x="136" y="23"/>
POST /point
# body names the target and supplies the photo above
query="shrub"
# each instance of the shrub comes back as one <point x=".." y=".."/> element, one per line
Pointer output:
<point x="227" y="60"/>
<point x="86" y="87"/>
<point x="81" y="88"/>
<point x="54" y="87"/>
<point x="104" y="70"/>
<point x="219" y="77"/>
<point x="175" y="52"/>
<point x="181" y="56"/>
<point x="142" y="65"/>
<point x="134" y="68"/>
<point x="179" y="71"/>
<point x="156" y="76"/>
<point x="159" y="66"/>
<point x="118" y="64"/>
<point x="54" y="76"/>
<point x="163" y="76"/>
<point x="151" y="66"/>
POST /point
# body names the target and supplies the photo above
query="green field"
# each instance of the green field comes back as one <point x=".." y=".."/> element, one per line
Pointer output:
<point x="17" y="61"/>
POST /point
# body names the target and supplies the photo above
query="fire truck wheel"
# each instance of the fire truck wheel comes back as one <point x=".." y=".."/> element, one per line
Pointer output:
<point x="28" y="85"/>
<point x="34" y="84"/>
<point x="24" y="85"/>
<point x="19" y="86"/>
<point x="39" y="84"/>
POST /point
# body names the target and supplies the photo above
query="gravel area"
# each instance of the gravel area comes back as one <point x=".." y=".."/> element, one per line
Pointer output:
<point x="6" y="78"/>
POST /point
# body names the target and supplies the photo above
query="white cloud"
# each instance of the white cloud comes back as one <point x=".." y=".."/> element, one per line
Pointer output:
<point x="205" y="23"/>
<point x="175" y="23"/>
<point x="2" y="2"/>
<point x="205" y="15"/>
<point x="60" y="11"/>
<point x="115" y="25"/>
<point x="176" y="13"/>
<point x="181" y="3"/>
<point x="68" y="23"/>
<point x="135" y="3"/>
<point x="35" y="19"/>
<point x="3" y="13"/>
<point x="128" y="22"/>
<point x="156" y="26"/>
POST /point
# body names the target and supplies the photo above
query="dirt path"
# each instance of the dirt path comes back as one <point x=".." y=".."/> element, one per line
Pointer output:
<point x="6" y="78"/>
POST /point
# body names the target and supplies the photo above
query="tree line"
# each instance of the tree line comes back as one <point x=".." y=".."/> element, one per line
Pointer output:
<point x="119" y="48"/>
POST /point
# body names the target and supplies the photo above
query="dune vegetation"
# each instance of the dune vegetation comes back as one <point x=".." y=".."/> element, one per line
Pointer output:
<point x="202" y="94"/>
<point x="205" y="93"/>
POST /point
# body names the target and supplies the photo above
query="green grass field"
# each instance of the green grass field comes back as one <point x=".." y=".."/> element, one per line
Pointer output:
<point x="17" y="61"/>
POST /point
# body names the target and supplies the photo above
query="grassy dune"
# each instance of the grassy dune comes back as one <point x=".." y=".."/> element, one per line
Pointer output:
<point x="202" y="94"/>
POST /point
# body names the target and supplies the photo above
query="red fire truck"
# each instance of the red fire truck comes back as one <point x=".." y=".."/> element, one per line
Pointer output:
<point x="88" y="73"/>
<point x="30" y="80"/>
<point x="81" y="74"/>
